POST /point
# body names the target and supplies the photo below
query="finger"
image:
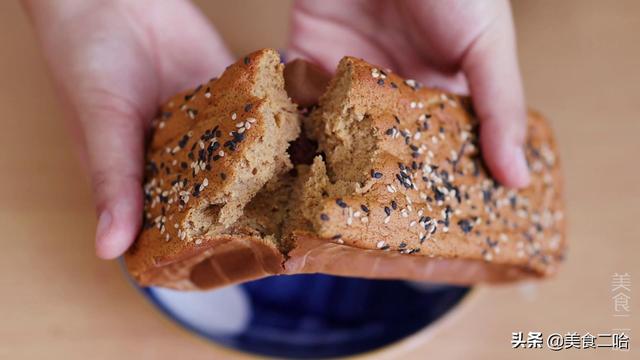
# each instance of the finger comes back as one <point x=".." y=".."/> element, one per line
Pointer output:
<point x="491" y="67"/>
<point x="325" y="31"/>
<point x="114" y="146"/>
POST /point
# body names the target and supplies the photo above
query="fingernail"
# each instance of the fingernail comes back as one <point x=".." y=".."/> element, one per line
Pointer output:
<point x="104" y="222"/>
<point x="521" y="173"/>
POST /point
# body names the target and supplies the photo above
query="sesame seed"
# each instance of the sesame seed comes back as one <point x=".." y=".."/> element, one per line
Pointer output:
<point x="324" y="217"/>
<point x="341" y="203"/>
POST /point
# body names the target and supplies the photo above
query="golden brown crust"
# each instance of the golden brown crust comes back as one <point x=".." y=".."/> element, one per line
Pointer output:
<point x="421" y="189"/>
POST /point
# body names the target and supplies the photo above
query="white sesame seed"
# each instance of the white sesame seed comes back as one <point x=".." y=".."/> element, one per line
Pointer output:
<point x="380" y="244"/>
<point x="234" y="116"/>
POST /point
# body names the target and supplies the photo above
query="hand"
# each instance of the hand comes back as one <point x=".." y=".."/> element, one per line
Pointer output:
<point x="464" y="46"/>
<point x="113" y="63"/>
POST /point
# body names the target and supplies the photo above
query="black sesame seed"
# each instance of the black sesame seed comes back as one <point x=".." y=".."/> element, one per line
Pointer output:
<point x="394" y="205"/>
<point x="397" y="119"/>
<point x="438" y="194"/>
<point x="231" y="145"/>
<point x="402" y="245"/>
<point x="387" y="210"/>
<point x="248" y="107"/>
<point x="394" y="85"/>
<point x="364" y="208"/>
<point x="341" y="203"/>
<point x="223" y="176"/>
<point x="213" y="146"/>
<point x="380" y="82"/>
<point x="465" y="226"/>
<point x="238" y="137"/>
<point x="247" y="61"/>
<point x="184" y="165"/>
<point x="336" y="237"/>
<point x="390" y="131"/>
<point x="486" y="196"/>
<point x="324" y="217"/>
<point x="376" y="174"/>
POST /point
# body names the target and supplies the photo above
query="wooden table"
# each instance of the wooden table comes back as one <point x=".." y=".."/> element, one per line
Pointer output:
<point x="580" y="62"/>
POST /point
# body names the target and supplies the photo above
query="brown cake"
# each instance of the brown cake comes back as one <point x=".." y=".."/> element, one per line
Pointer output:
<point x="397" y="188"/>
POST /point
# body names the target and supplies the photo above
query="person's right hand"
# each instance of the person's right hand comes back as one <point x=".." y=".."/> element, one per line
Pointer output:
<point x="113" y="63"/>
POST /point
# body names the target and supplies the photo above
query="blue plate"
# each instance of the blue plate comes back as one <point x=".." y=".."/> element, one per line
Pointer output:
<point x="308" y="316"/>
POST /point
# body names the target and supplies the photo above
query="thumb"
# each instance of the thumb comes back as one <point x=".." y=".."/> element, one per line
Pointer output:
<point x="113" y="139"/>
<point x="491" y="67"/>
